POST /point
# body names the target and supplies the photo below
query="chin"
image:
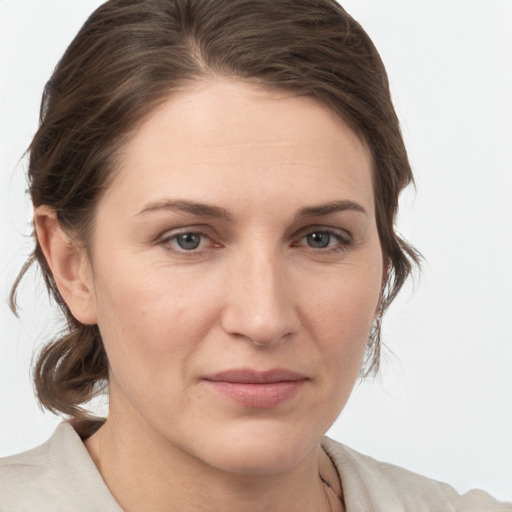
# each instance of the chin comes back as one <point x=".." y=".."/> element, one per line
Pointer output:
<point x="261" y="448"/>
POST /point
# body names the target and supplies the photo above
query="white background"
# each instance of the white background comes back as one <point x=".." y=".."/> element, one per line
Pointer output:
<point x="443" y="404"/>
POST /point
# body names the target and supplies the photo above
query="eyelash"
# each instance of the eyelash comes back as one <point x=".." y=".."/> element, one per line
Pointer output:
<point x="167" y="242"/>
<point x="343" y="241"/>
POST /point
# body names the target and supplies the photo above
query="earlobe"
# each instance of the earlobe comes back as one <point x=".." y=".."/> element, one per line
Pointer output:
<point x="68" y="263"/>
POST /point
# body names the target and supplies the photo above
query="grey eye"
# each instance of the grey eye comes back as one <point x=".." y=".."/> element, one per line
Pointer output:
<point x="189" y="241"/>
<point x="319" y="239"/>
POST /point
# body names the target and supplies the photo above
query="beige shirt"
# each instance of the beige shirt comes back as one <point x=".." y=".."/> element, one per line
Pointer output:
<point x="60" y="476"/>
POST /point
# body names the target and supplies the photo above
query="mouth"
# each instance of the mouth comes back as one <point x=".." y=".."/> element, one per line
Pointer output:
<point x="256" y="389"/>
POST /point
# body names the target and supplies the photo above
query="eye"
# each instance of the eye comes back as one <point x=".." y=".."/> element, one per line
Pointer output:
<point x="326" y="239"/>
<point x="187" y="241"/>
<point x="319" y="239"/>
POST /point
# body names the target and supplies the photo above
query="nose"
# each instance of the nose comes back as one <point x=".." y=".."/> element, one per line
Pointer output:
<point x="260" y="305"/>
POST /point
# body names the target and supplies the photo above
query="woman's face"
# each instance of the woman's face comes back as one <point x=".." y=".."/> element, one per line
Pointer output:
<point x="236" y="272"/>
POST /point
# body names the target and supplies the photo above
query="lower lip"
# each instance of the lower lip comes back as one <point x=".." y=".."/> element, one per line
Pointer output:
<point x="258" y="395"/>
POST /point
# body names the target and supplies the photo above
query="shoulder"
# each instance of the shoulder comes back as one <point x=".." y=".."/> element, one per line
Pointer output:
<point x="372" y="485"/>
<point x="57" y="476"/>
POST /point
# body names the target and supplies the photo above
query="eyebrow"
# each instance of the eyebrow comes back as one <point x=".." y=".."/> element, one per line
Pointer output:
<point x="207" y="210"/>
<point x="329" y="208"/>
<point x="192" y="207"/>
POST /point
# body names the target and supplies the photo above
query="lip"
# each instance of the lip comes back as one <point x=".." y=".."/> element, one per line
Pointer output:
<point x="256" y="389"/>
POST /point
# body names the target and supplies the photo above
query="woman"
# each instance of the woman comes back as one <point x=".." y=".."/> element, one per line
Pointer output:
<point x="215" y="186"/>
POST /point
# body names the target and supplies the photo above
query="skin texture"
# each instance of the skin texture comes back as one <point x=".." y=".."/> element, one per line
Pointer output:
<point x="259" y="292"/>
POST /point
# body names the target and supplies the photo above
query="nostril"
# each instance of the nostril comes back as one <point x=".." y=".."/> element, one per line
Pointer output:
<point x="276" y="326"/>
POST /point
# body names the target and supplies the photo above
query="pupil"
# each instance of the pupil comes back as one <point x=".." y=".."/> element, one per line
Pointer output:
<point x="189" y="241"/>
<point x="318" y="240"/>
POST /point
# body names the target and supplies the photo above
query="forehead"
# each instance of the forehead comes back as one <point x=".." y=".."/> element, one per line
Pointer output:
<point x="225" y="137"/>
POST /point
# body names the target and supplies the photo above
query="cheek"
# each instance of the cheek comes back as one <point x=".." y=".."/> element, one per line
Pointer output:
<point x="339" y="316"/>
<point x="345" y="306"/>
<point x="339" y="313"/>
<point x="155" y="318"/>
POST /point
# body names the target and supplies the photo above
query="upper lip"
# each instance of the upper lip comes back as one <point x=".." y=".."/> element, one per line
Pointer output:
<point x="250" y="376"/>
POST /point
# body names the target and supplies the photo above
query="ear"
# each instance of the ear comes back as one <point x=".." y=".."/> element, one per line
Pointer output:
<point x="68" y="263"/>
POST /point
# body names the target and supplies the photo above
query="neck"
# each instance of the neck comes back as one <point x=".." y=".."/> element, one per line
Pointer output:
<point x="145" y="472"/>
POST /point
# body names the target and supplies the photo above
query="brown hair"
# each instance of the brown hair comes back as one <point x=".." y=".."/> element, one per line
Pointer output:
<point x="127" y="58"/>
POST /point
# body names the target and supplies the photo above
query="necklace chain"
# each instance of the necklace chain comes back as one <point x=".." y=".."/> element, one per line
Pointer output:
<point x="328" y="486"/>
